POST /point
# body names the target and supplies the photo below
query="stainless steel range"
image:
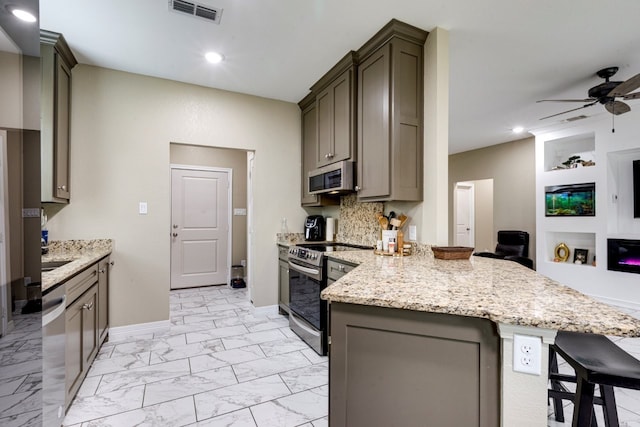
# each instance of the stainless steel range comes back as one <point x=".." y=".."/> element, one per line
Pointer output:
<point x="307" y="278"/>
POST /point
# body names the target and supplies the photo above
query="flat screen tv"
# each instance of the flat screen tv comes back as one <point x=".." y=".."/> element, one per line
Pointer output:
<point x="636" y="188"/>
<point x="571" y="200"/>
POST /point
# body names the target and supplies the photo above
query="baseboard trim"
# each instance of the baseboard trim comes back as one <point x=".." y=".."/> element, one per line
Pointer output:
<point x="266" y="310"/>
<point x="120" y="333"/>
<point x="617" y="302"/>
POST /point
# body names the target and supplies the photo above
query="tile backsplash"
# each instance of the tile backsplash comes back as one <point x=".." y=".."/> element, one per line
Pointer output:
<point x="357" y="222"/>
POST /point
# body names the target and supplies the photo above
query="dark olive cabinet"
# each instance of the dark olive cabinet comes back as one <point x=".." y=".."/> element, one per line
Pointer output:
<point x="394" y="367"/>
<point x="283" y="280"/>
<point x="82" y="339"/>
<point x="390" y="115"/>
<point x="56" y="61"/>
<point x="87" y="320"/>
<point x="309" y="150"/>
<point x="103" y="299"/>
<point x="335" y="112"/>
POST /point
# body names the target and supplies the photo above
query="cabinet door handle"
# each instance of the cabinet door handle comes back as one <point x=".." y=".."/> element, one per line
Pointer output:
<point x="357" y="188"/>
<point x="111" y="263"/>
<point x="88" y="306"/>
<point x="62" y="187"/>
<point x="102" y="270"/>
<point x="331" y="155"/>
<point x="326" y="156"/>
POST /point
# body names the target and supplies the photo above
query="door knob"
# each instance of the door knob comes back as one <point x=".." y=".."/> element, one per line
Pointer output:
<point x="175" y="225"/>
<point x="174" y="234"/>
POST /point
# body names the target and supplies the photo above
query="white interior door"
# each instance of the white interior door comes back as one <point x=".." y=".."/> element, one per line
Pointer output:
<point x="464" y="235"/>
<point x="200" y="227"/>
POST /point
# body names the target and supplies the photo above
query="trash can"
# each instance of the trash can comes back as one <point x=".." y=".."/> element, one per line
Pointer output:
<point x="237" y="277"/>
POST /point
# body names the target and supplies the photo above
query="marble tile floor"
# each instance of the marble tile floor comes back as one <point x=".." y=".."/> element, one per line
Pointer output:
<point x="21" y="372"/>
<point x="222" y="363"/>
<point x="225" y="364"/>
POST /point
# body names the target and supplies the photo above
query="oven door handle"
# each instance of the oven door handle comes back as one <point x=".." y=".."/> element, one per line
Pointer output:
<point x="294" y="318"/>
<point x="305" y="270"/>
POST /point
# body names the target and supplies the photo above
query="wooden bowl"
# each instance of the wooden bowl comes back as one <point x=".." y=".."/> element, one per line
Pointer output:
<point x="451" y="252"/>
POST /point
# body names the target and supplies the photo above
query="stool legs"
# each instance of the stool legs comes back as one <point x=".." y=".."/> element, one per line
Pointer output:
<point x="583" y="409"/>
<point x="609" y="406"/>
<point x="556" y="385"/>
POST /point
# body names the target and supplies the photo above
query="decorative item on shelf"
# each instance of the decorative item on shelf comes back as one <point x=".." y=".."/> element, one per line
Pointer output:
<point x="580" y="256"/>
<point x="451" y="252"/>
<point x="572" y="162"/>
<point x="587" y="163"/>
<point x="561" y="253"/>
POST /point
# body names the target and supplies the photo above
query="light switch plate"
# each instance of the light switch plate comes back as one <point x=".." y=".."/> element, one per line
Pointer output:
<point x="142" y="208"/>
<point x="31" y="213"/>
<point x="413" y="233"/>
<point x="239" y="211"/>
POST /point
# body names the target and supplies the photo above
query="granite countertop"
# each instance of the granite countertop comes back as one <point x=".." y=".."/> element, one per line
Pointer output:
<point x="81" y="253"/>
<point x="499" y="290"/>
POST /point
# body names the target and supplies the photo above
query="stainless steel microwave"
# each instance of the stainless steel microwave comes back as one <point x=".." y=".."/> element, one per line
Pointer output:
<point x="333" y="179"/>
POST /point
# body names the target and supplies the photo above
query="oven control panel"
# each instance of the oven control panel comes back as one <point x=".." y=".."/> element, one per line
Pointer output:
<point x="306" y="256"/>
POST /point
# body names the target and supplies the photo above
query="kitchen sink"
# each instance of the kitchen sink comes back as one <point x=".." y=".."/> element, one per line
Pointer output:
<point x="52" y="265"/>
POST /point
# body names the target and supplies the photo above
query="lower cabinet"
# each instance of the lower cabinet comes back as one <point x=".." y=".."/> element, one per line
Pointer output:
<point x="283" y="280"/>
<point x="82" y="339"/>
<point x="103" y="299"/>
<point x="87" y="323"/>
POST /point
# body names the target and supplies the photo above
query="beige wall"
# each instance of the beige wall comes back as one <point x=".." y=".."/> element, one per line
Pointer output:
<point x="121" y="128"/>
<point x="236" y="160"/>
<point x="10" y="90"/>
<point x="485" y="238"/>
<point x="512" y="167"/>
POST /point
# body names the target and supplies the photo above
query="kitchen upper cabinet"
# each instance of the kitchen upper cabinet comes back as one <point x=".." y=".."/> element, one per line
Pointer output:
<point x="335" y="106"/>
<point x="56" y="60"/>
<point x="309" y="148"/>
<point x="390" y="115"/>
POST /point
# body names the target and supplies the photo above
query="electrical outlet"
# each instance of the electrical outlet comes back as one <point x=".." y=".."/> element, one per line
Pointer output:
<point x="143" y="208"/>
<point x="243" y="262"/>
<point x="527" y="354"/>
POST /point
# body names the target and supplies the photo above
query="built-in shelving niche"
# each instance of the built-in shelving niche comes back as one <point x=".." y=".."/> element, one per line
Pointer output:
<point x="558" y="151"/>
<point x="573" y="241"/>
<point x="621" y="223"/>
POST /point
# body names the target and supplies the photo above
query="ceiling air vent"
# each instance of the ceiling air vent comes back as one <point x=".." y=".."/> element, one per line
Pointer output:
<point x="573" y="119"/>
<point x="197" y="10"/>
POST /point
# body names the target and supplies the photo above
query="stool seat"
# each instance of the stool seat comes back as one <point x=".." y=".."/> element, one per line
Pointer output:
<point x="598" y="360"/>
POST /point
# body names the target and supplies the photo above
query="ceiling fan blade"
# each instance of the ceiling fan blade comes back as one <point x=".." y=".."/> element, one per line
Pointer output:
<point x="567" y="100"/>
<point x="568" y="111"/>
<point x="625" y="87"/>
<point x="617" y="107"/>
<point x="632" y="96"/>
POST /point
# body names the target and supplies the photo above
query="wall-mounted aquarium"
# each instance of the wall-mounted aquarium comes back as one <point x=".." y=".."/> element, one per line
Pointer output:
<point x="571" y="200"/>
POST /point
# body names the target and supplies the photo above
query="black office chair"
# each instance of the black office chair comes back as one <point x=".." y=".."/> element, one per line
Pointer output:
<point x="596" y="360"/>
<point x="512" y="245"/>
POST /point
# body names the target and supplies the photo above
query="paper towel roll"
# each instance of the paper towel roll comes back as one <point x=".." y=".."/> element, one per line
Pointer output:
<point x="331" y="229"/>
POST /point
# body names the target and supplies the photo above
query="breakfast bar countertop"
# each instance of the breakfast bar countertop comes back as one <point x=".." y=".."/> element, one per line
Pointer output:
<point x="80" y="253"/>
<point x="498" y="290"/>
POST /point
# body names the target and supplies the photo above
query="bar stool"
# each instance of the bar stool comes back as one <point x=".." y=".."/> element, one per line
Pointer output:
<point x="596" y="360"/>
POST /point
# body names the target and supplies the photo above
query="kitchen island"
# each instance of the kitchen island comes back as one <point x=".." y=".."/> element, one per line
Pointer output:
<point x="427" y="341"/>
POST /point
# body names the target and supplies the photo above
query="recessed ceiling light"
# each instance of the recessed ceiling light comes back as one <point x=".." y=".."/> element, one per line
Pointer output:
<point x="214" y="57"/>
<point x="517" y="129"/>
<point x="23" y="15"/>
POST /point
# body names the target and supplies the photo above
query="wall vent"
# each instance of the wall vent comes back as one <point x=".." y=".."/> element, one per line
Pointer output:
<point x="197" y="10"/>
<point x="573" y="119"/>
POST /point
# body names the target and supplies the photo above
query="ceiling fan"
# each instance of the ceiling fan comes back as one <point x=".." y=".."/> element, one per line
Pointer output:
<point x="606" y="94"/>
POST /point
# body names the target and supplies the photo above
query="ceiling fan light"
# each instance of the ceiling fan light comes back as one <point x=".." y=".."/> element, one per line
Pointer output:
<point x="214" y="57"/>
<point x="23" y="15"/>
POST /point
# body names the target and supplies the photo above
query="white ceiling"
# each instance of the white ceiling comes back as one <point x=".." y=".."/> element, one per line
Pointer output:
<point x="504" y="54"/>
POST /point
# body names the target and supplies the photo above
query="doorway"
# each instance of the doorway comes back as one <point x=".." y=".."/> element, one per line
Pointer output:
<point x="200" y="226"/>
<point x="464" y="217"/>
